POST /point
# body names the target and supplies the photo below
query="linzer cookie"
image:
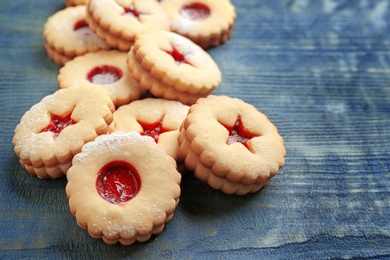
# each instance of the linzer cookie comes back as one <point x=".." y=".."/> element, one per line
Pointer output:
<point x="123" y="188"/>
<point x="208" y="23"/>
<point x="76" y="2"/>
<point x="67" y="35"/>
<point x="158" y="118"/>
<point x="55" y="129"/>
<point x="230" y="145"/>
<point x="172" y="67"/>
<point x="118" y="21"/>
<point x="104" y="69"/>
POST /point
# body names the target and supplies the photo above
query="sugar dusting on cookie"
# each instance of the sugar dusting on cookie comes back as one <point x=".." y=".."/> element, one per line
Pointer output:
<point x="110" y="143"/>
<point x="141" y="216"/>
<point x="230" y="167"/>
<point x="208" y="23"/>
<point x="196" y="56"/>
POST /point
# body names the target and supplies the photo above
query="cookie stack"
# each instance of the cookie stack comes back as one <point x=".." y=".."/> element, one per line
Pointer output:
<point x="134" y="103"/>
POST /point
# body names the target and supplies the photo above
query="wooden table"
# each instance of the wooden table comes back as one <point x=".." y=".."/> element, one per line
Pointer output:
<point x="318" y="69"/>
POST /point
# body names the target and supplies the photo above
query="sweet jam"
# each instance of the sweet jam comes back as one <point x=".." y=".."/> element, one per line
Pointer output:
<point x="104" y="75"/>
<point x="118" y="182"/>
<point x="80" y="24"/>
<point x="195" y="11"/>
<point x="131" y="11"/>
<point x="237" y="133"/>
<point x="177" y="56"/>
<point x="82" y="29"/>
<point x="153" y="130"/>
<point x="58" y="123"/>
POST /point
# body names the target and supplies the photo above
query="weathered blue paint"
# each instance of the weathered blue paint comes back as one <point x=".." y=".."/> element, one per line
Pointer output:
<point x="318" y="69"/>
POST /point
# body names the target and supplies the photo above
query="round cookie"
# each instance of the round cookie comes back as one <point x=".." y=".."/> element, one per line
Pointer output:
<point x="128" y="194"/>
<point x="172" y="67"/>
<point x="208" y="23"/>
<point x="118" y="22"/>
<point x="230" y="145"/>
<point x="104" y="69"/>
<point x="156" y="87"/>
<point x="158" y="118"/>
<point x="67" y="35"/>
<point x="57" y="57"/>
<point x="55" y="129"/>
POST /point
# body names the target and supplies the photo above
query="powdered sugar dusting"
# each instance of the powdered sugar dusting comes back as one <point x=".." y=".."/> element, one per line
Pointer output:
<point x="194" y="54"/>
<point x="184" y="45"/>
<point x="114" y="142"/>
<point x="84" y="32"/>
<point x="27" y="134"/>
<point x="86" y="37"/>
<point x="105" y="78"/>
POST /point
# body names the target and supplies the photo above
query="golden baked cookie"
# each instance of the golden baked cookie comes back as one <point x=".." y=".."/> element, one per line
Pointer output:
<point x="67" y="35"/>
<point x="157" y="118"/>
<point x="104" y="69"/>
<point x="76" y="2"/>
<point x="129" y="193"/>
<point x="55" y="129"/>
<point x="57" y="57"/>
<point x="230" y="145"/>
<point x="156" y="87"/>
<point x="119" y="21"/>
<point x="172" y="67"/>
<point x="208" y="23"/>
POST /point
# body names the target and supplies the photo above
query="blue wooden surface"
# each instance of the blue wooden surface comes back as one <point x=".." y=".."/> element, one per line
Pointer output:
<point x="318" y="69"/>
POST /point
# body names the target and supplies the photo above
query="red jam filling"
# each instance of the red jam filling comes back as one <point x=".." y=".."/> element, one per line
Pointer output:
<point x="118" y="182"/>
<point x="195" y="11"/>
<point x="58" y="123"/>
<point x="237" y="133"/>
<point x="177" y="56"/>
<point x="80" y="24"/>
<point x="153" y="130"/>
<point x="132" y="11"/>
<point x="104" y="75"/>
<point x="81" y="28"/>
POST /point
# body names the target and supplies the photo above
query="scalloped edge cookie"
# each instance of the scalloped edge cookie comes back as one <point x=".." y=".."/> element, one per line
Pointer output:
<point x="165" y="115"/>
<point x="173" y="67"/>
<point x="108" y="20"/>
<point x="208" y="23"/>
<point x="121" y="86"/>
<point x="67" y="35"/>
<point x="156" y="87"/>
<point x="143" y="215"/>
<point x="232" y="167"/>
<point x="46" y="154"/>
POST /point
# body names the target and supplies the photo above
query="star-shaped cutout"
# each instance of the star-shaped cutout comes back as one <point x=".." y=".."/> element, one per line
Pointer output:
<point x="153" y="129"/>
<point x="178" y="56"/>
<point x="237" y="133"/>
<point x="58" y="123"/>
<point x="132" y="11"/>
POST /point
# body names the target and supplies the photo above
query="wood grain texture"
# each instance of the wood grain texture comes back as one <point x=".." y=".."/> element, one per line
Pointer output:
<point x="318" y="69"/>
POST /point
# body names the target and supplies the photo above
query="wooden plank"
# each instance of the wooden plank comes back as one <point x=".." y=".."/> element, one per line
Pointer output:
<point x="318" y="69"/>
